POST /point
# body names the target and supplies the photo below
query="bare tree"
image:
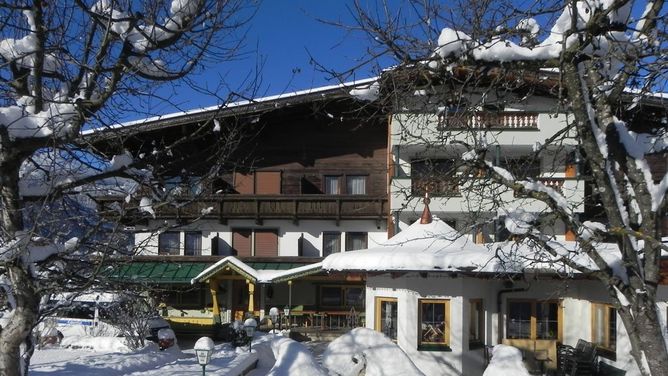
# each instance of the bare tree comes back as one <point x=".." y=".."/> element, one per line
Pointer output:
<point x="68" y="69"/>
<point x="604" y="63"/>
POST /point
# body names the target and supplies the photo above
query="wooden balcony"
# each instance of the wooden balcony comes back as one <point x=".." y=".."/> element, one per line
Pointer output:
<point x="486" y="120"/>
<point x="262" y="207"/>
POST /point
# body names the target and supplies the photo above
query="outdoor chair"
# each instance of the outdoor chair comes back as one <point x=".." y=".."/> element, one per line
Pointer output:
<point x="578" y="361"/>
<point x="566" y="360"/>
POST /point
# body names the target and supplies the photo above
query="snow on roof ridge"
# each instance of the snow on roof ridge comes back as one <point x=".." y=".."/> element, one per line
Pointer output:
<point x="259" y="276"/>
<point x="236" y="104"/>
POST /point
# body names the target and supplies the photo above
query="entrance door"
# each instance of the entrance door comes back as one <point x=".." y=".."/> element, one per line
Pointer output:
<point x="240" y="299"/>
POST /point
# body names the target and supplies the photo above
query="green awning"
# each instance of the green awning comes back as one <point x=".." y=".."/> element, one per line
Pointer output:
<point x="151" y="272"/>
<point x="273" y="265"/>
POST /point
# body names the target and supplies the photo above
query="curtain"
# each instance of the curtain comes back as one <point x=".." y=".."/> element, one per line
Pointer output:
<point x="332" y="185"/>
<point x="356" y="185"/>
<point x="193" y="244"/>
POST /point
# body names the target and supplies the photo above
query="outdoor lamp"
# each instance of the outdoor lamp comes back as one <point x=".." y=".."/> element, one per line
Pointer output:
<point x="273" y="313"/>
<point x="286" y="313"/>
<point x="249" y="327"/>
<point x="203" y="349"/>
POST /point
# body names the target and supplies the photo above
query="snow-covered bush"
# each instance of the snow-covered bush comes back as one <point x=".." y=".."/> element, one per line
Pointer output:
<point x="368" y="351"/>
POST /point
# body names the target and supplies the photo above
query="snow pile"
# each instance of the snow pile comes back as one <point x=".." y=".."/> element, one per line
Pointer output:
<point x="22" y="51"/>
<point x="120" y="161"/>
<point x="367" y="93"/>
<point x="144" y="37"/>
<point x="365" y="349"/>
<point x="453" y="43"/>
<point x="518" y="221"/>
<point x="421" y="247"/>
<point x="99" y="344"/>
<point x="293" y="359"/>
<point x="506" y="361"/>
<point x="438" y="247"/>
<point x="107" y="357"/>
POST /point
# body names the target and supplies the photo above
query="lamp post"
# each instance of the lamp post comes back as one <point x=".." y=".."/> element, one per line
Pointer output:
<point x="286" y="313"/>
<point x="249" y="327"/>
<point x="273" y="313"/>
<point x="203" y="349"/>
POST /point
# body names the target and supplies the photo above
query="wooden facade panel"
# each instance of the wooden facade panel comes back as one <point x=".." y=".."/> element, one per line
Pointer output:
<point x="304" y="147"/>
<point x="241" y="242"/>
<point x="266" y="243"/>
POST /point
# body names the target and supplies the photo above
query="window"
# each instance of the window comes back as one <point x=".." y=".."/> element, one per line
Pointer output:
<point x="353" y="296"/>
<point x="331" y="296"/>
<point x="522" y="168"/>
<point x="356" y="240"/>
<point x="356" y="185"/>
<point x="187" y="299"/>
<point x="342" y="296"/>
<point x="183" y="185"/>
<point x="193" y="244"/>
<point x="331" y="243"/>
<point x="529" y="319"/>
<point x="386" y="317"/>
<point x="434" y="324"/>
<point x="476" y="324"/>
<point x="604" y="326"/>
<point x="332" y="185"/>
<point x="436" y="176"/>
<point x="169" y="243"/>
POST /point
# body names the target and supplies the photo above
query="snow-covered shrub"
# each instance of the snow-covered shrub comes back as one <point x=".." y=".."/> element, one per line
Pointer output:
<point x="366" y="350"/>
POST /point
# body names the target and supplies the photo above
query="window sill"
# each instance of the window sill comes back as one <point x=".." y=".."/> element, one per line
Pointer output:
<point x="434" y="347"/>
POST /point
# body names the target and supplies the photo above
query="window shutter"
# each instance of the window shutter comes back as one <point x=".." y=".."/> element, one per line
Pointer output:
<point x="266" y="243"/>
<point x="268" y="182"/>
<point x="243" y="183"/>
<point x="241" y="242"/>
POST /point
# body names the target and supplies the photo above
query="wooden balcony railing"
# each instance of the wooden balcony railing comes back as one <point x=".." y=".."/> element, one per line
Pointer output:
<point x="261" y="207"/>
<point x="486" y="120"/>
<point x="554" y="183"/>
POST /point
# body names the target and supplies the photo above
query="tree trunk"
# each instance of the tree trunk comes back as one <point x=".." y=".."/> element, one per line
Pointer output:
<point x="23" y="317"/>
<point x="21" y="292"/>
<point x="648" y="346"/>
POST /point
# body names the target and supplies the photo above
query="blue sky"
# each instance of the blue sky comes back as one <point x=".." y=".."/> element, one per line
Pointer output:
<point x="280" y="36"/>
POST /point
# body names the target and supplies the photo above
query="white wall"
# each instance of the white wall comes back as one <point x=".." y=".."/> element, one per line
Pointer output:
<point x="288" y="232"/>
<point x="408" y="289"/>
<point x="576" y="297"/>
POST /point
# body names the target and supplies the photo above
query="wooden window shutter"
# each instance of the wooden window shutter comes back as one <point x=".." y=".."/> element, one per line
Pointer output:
<point x="266" y="243"/>
<point x="241" y="242"/>
<point x="243" y="183"/>
<point x="268" y="182"/>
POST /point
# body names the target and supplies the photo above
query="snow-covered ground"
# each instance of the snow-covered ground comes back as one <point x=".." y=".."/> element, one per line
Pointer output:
<point x="107" y="356"/>
<point x="276" y="355"/>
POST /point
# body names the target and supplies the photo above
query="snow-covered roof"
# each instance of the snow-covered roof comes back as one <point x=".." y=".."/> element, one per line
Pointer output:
<point x="437" y="247"/>
<point x="433" y="246"/>
<point x="256" y="276"/>
<point x="363" y="84"/>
